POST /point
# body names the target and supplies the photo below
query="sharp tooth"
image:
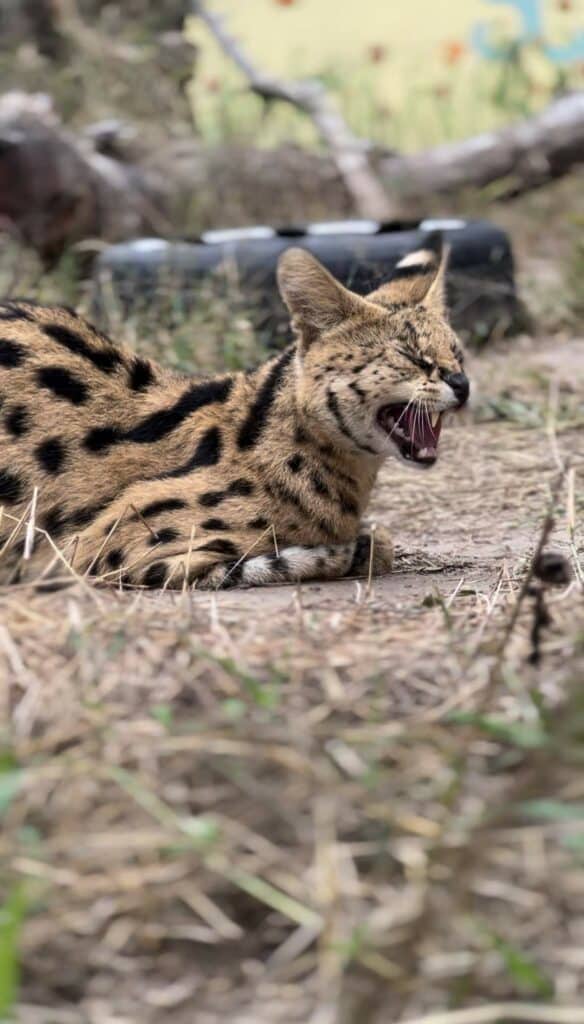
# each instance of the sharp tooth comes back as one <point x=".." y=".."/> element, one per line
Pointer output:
<point x="434" y="419"/>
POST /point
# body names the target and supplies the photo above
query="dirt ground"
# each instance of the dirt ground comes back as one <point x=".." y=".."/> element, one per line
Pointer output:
<point x="330" y="803"/>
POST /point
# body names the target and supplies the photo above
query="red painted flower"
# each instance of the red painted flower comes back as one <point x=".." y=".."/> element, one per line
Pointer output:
<point x="284" y="3"/>
<point x="377" y="53"/>
<point x="566" y="5"/>
<point x="453" y="51"/>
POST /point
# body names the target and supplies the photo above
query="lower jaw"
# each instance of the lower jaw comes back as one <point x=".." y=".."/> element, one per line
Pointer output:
<point x="425" y="458"/>
<point x="423" y="465"/>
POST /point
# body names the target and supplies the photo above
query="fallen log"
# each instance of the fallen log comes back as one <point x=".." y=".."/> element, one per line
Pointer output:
<point x="520" y="157"/>
<point x="57" y="188"/>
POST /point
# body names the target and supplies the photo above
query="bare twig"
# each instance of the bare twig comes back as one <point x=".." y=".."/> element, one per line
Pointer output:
<point x="349" y="152"/>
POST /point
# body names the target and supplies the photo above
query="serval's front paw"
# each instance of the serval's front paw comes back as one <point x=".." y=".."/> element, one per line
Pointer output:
<point x="373" y="552"/>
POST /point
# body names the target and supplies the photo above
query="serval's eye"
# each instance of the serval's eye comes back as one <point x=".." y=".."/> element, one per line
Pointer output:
<point x="422" y="361"/>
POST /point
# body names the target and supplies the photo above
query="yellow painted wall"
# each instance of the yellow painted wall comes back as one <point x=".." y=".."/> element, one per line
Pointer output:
<point x="375" y="53"/>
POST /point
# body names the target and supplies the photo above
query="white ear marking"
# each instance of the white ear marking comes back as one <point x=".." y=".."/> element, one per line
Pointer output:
<point x="421" y="258"/>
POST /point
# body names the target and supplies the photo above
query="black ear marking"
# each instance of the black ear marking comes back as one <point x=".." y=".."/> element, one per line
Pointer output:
<point x="434" y="242"/>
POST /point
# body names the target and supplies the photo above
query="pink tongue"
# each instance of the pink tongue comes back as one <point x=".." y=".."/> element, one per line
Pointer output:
<point x="417" y="424"/>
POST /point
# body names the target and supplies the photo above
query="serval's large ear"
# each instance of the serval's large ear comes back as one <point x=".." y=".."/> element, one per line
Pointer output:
<point x="418" y="279"/>
<point x="316" y="301"/>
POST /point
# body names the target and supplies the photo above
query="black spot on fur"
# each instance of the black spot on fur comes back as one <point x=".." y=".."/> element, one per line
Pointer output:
<point x="319" y="485"/>
<point x="221" y="546"/>
<point x="155" y="575"/>
<point x="63" y="384"/>
<point x="85" y="515"/>
<point x="105" y="359"/>
<point x="207" y="453"/>
<point x="295" y="463"/>
<point x="164" y="536"/>
<point x="359" y="368"/>
<point x="141" y="375"/>
<point x="164" y="421"/>
<point x="51" y="455"/>
<point x="279" y="564"/>
<point x="215" y="524"/>
<point x="348" y="506"/>
<point x="233" y="575"/>
<point x="285" y="494"/>
<point x="11" y="353"/>
<point x="16" y="421"/>
<point x="164" y="505"/>
<point x="257" y="417"/>
<point x="300" y="435"/>
<point x="114" y="558"/>
<point x="259" y="523"/>
<point x="211" y="498"/>
<point x="51" y="586"/>
<point x="10" y="486"/>
<point x="54" y="522"/>
<point x="241" y="487"/>
<point x="99" y="439"/>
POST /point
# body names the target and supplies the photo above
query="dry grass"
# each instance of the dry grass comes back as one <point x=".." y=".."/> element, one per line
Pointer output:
<point x="318" y="804"/>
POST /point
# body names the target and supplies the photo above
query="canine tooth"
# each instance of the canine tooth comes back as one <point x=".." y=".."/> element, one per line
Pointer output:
<point x="434" y="418"/>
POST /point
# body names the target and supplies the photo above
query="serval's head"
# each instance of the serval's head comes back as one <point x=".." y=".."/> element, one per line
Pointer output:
<point x="376" y="374"/>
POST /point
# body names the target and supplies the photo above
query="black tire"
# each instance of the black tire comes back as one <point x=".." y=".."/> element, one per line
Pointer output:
<point x="481" y="284"/>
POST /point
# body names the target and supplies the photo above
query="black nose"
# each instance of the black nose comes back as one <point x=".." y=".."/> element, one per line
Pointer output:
<point x="460" y="385"/>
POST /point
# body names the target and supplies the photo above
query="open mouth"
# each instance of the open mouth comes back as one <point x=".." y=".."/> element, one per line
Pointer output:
<point x="414" y="430"/>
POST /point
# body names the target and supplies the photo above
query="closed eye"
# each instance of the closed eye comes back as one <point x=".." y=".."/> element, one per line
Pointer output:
<point x="424" y="362"/>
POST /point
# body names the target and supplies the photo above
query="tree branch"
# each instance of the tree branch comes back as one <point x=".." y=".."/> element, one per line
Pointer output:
<point x="522" y="157"/>
<point x="348" y="152"/>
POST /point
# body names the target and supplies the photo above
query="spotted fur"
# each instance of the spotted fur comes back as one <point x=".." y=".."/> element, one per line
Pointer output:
<point x="145" y="477"/>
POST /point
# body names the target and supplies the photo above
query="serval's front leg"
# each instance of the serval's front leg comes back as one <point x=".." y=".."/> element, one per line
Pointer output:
<point x="294" y="564"/>
<point x="372" y="551"/>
